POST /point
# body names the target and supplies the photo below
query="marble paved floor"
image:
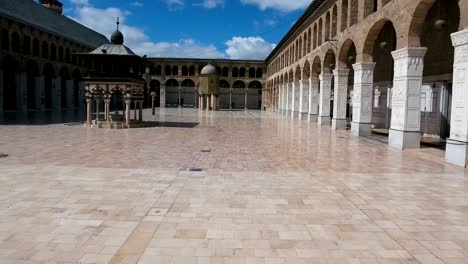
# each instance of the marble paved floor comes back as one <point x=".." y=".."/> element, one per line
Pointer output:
<point x="273" y="190"/>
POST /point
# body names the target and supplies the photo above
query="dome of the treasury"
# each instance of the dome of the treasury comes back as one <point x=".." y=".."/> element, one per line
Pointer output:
<point x="209" y="70"/>
<point x="117" y="38"/>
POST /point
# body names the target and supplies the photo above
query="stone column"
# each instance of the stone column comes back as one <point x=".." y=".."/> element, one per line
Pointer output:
<point x="293" y="98"/>
<point x="98" y="102"/>
<point x="303" y="98"/>
<point x="179" y="97"/>
<point x="140" y="114"/>
<point x="281" y="97"/>
<point x="57" y="94"/>
<point x="70" y="95"/>
<point x="406" y="103"/>
<point x="89" y="109"/>
<point x="135" y="106"/>
<point x="1" y="91"/>
<point x="313" y="99"/>
<point x="40" y="93"/>
<point x="288" y="97"/>
<point x="81" y="94"/>
<point x="230" y="98"/>
<point x="457" y="145"/>
<point x="340" y="99"/>
<point x="162" y="96"/>
<point x="128" y="103"/>
<point x="21" y="92"/>
<point x="208" y="102"/>
<point x="325" y="94"/>
<point x="362" y="98"/>
<point x="106" y="109"/>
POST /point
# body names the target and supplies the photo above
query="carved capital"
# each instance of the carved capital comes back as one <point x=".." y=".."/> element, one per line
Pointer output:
<point x="460" y="38"/>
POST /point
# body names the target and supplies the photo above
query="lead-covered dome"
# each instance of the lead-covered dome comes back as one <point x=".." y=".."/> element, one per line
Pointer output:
<point x="117" y="38"/>
<point x="209" y="70"/>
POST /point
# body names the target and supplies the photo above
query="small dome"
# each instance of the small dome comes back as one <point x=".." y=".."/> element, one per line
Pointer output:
<point x="117" y="38"/>
<point x="209" y="70"/>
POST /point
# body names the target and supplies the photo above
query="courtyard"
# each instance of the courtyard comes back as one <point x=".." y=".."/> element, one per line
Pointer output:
<point x="225" y="187"/>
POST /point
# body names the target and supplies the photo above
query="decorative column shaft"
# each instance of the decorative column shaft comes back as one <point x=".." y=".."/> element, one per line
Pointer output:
<point x="230" y="98"/>
<point x="246" y="99"/>
<point x="294" y="106"/>
<point x="128" y="103"/>
<point x="140" y="113"/>
<point x="314" y="84"/>
<point x="325" y="94"/>
<point x="89" y="111"/>
<point x="98" y="101"/>
<point x="106" y="109"/>
<point x="457" y="145"/>
<point x="340" y="101"/>
<point x="406" y="103"/>
<point x="303" y="98"/>
<point x="162" y="96"/>
<point x="362" y="98"/>
<point x="289" y="97"/>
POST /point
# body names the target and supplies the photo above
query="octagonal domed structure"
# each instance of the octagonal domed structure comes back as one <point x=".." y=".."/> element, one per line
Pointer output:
<point x="209" y="70"/>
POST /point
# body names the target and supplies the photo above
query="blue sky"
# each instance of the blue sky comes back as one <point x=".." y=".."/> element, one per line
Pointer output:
<point x="235" y="29"/>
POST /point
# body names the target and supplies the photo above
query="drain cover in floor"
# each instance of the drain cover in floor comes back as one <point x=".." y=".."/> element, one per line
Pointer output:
<point x="195" y="169"/>
<point x="3" y="155"/>
<point x="206" y="151"/>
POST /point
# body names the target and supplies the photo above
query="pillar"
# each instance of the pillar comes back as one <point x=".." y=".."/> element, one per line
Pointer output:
<point x="303" y="98"/>
<point x="40" y="93"/>
<point x="1" y="91"/>
<point x="57" y="94"/>
<point x="246" y="99"/>
<point x="406" y="103"/>
<point x="281" y="97"/>
<point x="89" y="109"/>
<point x="21" y="92"/>
<point x="98" y="101"/>
<point x="362" y="98"/>
<point x="127" y="112"/>
<point x="313" y="99"/>
<point x="230" y="98"/>
<point x="70" y="95"/>
<point x="179" y="97"/>
<point x="162" y="96"/>
<point x="340" y="99"/>
<point x="457" y="145"/>
<point x="208" y="102"/>
<point x="81" y="94"/>
<point x="325" y="94"/>
<point x="288" y="97"/>
<point x="106" y="109"/>
<point x="294" y="91"/>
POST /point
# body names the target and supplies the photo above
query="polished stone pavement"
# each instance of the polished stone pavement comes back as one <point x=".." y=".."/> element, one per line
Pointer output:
<point x="272" y="190"/>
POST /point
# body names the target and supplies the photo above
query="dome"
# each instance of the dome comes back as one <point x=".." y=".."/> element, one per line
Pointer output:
<point x="209" y="70"/>
<point x="117" y="38"/>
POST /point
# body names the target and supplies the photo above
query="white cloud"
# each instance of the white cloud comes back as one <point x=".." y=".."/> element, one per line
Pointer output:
<point x="248" y="48"/>
<point x="136" y="4"/>
<point x="79" y="2"/>
<point x="175" y="5"/>
<point x="213" y="3"/>
<point x="281" y="5"/>
<point x="135" y="38"/>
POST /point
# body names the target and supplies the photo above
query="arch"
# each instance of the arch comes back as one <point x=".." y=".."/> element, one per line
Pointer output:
<point x="219" y="70"/>
<point x="320" y="33"/>
<point x="316" y="67"/>
<point x="251" y="72"/>
<point x="370" y="6"/>
<point x="157" y="70"/>
<point x="259" y="73"/>
<point x="255" y="85"/>
<point x="67" y="55"/>
<point x="315" y="36"/>
<point x="60" y="54"/>
<point x="168" y="70"/>
<point x="381" y="54"/>
<point x="188" y="83"/>
<point x="344" y="15"/>
<point x="438" y="39"/>
<point x="297" y="73"/>
<point x="238" y="84"/>
<point x="334" y="21"/>
<point x="15" y="42"/>
<point x="306" y="70"/>
<point x="49" y="74"/>
<point x="64" y="76"/>
<point x="235" y="72"/>
<point x="329" y="62"/>
<point x="299" y="48"/>
<point x="172" y="83"/>
<point x="32" y="71"/>
<point x="5" y="39"/>
<point x="35" y="49"/>
<point x="185" y="71"/>
<point x="225" y="72"/>
<point x="223" y="84"/>
<point x="327" y="26"/>
<point x="309" y="40"/>
<point x="175" y="70"/>
<point x="45" y="50"/>
<point x="10" y="69"/>
<point x="192" y="70"/>
<point x="76" y="87"/>
<point x="304" y="46"/>
<point x="242" y="72"/>
<point x="290" y="76"/>
<point x="347" y="54"/>
<point x="353" y="12"/>
<point x="53" y="52"/>
<point x="374" y="35"/>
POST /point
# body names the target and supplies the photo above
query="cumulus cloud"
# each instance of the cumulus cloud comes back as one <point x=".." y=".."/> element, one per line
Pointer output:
<point x="213" y="3"/>
<point x="281" y="5"/>
<point x="248" y="48"/>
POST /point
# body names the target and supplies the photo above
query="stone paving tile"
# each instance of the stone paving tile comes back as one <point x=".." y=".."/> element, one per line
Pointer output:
<point x="272" y="190"/>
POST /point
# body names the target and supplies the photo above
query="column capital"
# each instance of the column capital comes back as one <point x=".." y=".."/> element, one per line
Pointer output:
<point x="415" y="52"/>
<point x="362" y="66"/>
<point x="341" y="72"/>
<point x="460" y="38"/>
<point x="325" y="76"/>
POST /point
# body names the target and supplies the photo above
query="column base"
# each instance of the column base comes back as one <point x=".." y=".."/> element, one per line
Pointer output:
<point x="312" y="118"/>
<point x="323" y="121"/>
<point x="361" y="129"/>
<point x="295" y="114"/>
<point x="404" y="139"/>
<point x="303" y="116"/>
<point x="339" y="124"/>
<point x="456" y="153"/>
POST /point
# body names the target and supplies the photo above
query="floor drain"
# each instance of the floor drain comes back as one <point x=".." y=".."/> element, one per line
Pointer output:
<point x="3" y="155"/>
<point x="206" y="151"/>
<point x="195" y="169"/>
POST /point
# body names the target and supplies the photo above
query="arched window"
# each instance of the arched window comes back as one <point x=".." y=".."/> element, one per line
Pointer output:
<point x="320" y="33"/>
<point x="304" y="46"/>
<point x="251" y="72"/>
<point x="344" y="15"/>
<point x="235" y="72"/>
<point x="242" y="72"/>
<point x="26" y="45"/>
<point x="370" y="6"/>
<point x="5" y="39"/>
<point x="334" y="21"/>
<point x="60" y="54"/>
<point x="225" y="72"/>
<point x="192" y="70"/>
<point x="315" y="36"/>
<point x="353" y="17"/>
<point x="327" y="26"/>
<point x="45" y="50"/>
<point x="167" y="70"/>
<point x="309" y="40"/>
<point x="175" y="70"/>
<point x="53" y="52"/>
<point x="36" y="47"/>
<point x="185" y="71"/>
<point x="259" y="73"/>
<point x="67" y="55"/>
<point x="15" y="42"/>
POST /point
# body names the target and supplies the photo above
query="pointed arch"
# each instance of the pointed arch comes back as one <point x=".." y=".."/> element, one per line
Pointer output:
<point x="344" y="14"/>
